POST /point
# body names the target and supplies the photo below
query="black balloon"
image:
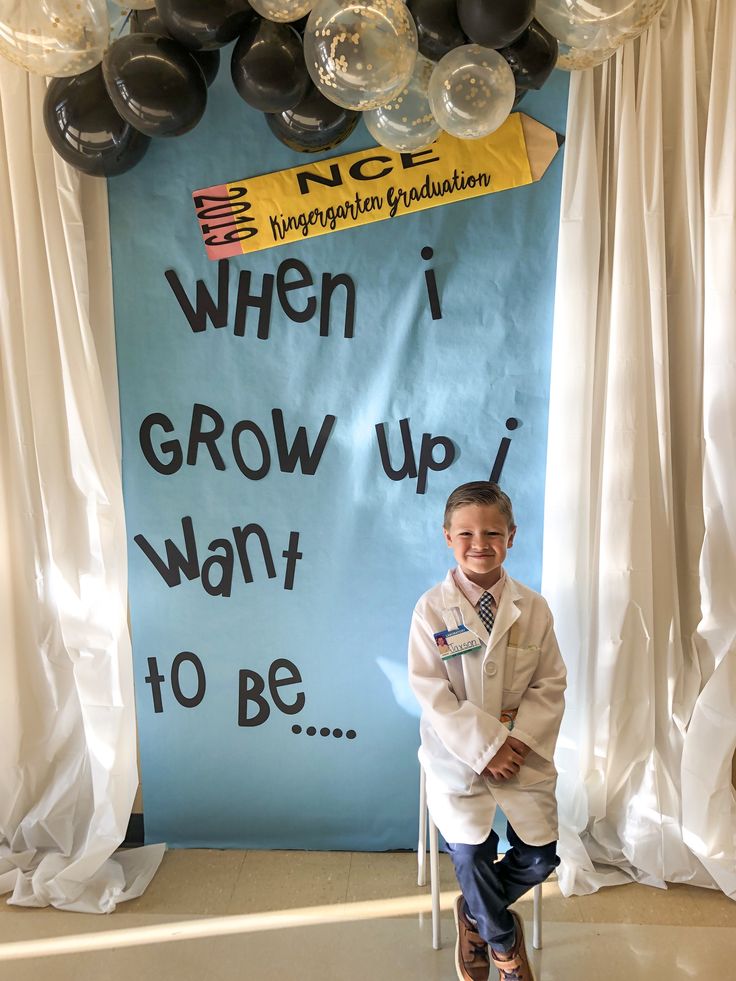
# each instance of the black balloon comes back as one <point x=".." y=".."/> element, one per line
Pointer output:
<point x="268" y="67"/>
<point x="84" y="128"/>
<point x="315" y="124"/>
<point x="438" y="27"/>
<point x="204" y="24"/>
<point x="532" y="56"/>
<point x="149" y="22"/>
<point x="154" y="84"/>
<point x="209" y="63"/>
<point x="494" y="23"/>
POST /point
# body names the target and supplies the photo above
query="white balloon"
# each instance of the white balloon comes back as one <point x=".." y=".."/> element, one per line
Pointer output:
<point x="282" y="11"/>
<point x="406" y="123"/>
<point x="471" y="91"/>
<point x="54" y="37"/>
<point x="596" y="24"/>
<point x="360" y="53"/>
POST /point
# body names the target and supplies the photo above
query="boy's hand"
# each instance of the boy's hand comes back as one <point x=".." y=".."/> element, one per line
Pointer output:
<point x="506" y="763"/>
<point x="519" y="746"/>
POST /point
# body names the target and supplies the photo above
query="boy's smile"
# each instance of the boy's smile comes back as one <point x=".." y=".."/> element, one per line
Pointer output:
<point x="479" y="537"/>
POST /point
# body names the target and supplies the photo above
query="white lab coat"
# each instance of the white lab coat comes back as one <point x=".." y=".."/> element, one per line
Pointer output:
<point x="518" y="667"/>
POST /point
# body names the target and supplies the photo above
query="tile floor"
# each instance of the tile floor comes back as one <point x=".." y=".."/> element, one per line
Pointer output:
<point x="310" y="916"/>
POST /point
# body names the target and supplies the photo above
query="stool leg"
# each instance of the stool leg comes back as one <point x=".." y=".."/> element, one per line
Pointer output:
<point x="422" y="842"/>
<point x="434" y="875"/>
<point x="537" y="929"/>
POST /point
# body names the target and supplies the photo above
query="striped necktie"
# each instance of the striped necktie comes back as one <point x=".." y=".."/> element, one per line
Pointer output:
<point x="485" y="611"/>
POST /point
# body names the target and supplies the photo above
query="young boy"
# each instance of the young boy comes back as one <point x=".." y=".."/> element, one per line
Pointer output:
<point x="491" y="711"/>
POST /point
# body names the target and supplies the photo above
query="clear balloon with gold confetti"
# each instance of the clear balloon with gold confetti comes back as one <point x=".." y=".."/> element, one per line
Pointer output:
<point x="578" y="59"/>
<point x="471" y="91"/>
<point x="282" y="11"/>
<point x="54" y="37"/>
<point x="596" y="25"/>
<point x="406" y="123"/>
<point x="360" y="54"/>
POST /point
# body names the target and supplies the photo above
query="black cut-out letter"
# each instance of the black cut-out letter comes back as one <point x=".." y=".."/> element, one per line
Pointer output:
<point x="329" y="285"/>
<point x="250" y="689"/>
<point x="206" y="308"/>
<point x="257" y="473"/>
<point x="293" y="678"/>
<point x="207" y="437"/>
<point x="196" y="698"/>
<point x="292" y="556"/>
<point x="240" y="537"/>
<point x="409" y="469"/>
<point x="247" y="299"/>
<point x="172" y="446"/>
<point x="427" y="461"/>
<point x="299" y="451"/>
<point x="155" y="679"/>
<point x="176" y="563"/>
<point x="283" y="288"/>
<point x="225" y="563"/>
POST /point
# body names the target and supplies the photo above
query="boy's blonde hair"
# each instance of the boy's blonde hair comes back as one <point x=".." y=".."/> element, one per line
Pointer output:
<point x="479" y="492"/>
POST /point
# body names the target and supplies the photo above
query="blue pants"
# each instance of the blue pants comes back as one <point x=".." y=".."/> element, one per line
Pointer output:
<point x="490" y="887"/>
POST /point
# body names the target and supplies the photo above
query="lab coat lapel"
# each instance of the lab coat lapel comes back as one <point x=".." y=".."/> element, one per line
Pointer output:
<point x="452" y="595"/>
<point x="464" y="673"/>
<point x="506" y="615"/>
<point x="494" y="662"/>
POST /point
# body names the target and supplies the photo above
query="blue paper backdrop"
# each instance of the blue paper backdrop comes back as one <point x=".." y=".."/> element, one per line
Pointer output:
<point x="370" y="546"/>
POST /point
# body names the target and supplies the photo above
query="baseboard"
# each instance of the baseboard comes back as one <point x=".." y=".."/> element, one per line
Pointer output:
<point x="134" y="836"/>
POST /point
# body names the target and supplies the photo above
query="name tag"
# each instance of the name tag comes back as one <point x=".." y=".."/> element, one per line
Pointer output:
<point x="451" y="643"/>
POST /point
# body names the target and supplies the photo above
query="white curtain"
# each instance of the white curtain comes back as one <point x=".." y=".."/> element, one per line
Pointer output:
<point x="67" y="727"/>
<point x="640" y="522"/>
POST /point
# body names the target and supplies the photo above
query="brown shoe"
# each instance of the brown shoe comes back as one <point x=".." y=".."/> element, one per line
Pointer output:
<point x="471" y="951"/>
<point x="517" y="967"/>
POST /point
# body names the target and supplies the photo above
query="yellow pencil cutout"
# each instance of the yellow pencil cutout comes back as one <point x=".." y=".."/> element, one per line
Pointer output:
<point x="376" y="184"/>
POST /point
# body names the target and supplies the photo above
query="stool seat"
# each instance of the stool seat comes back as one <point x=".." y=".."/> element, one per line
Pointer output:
<point x="425" y="820"/>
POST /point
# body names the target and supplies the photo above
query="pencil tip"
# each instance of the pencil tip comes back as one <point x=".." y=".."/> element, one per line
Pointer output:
<point x="560" y="139"/>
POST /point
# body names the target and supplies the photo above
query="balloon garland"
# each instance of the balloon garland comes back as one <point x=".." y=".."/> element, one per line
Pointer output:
<point x="311" y="66"/>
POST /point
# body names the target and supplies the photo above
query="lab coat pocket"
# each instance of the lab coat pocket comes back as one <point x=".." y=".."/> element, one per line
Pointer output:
<point x="521" y="663"/>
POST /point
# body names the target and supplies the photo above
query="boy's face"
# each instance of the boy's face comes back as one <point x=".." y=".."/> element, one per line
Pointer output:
<point x="479" y="538"/>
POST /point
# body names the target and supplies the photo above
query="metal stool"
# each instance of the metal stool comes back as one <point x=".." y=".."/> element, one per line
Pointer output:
<point x="434" y="871"/>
